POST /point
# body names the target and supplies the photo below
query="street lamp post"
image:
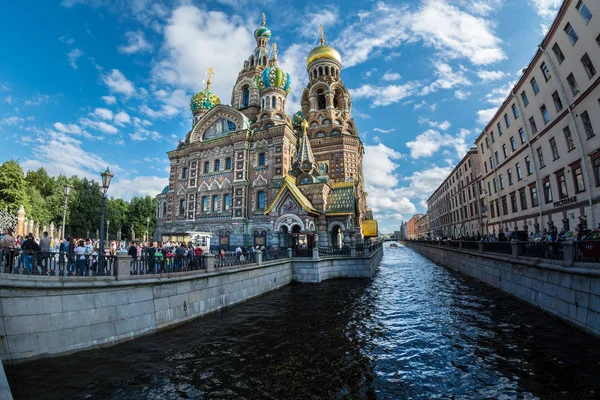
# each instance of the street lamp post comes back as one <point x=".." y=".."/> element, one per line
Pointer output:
<point x="147" y="228"/>
<point x="107" y="225"/>
<point x="106" y="178"/>
<point x="67" y="190"/>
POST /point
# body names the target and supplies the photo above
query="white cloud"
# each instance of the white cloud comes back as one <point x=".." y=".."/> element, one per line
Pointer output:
<point x="384" y="130"/>
<point x="547" y="9"/>
<point x="497" y="95"/>
<point x="293" y="61"/>
<point x="12" y="121"/>
<point x="109" y="99"/>
<point x="461" y="94"/>
<point x="99" y="126"/>
<point x="447" y="78"/>
<point x="453" y="32"/>
<point x="136" y="43"/>
<point x="118" y="83"/>
<point x="484" y="116"/>
<point x="141" y="134"/>
<point x="73" y="55"/>
<point x="487" y="76"/>
<point x="122" y="118"/>
<point x="104" y="113"/>
<point x="37" y="100"/>
<point x="186" y="59"/>
<point x="385" y="95"/>
<point x="67" y="128"/>
<point x="138" y="186"/>
<point x="429" y="142"/>
<point x="379" y="166"/>
<point x="309" y="25"/>
<point x="391" y="76"/>
<point x="444" y="125"/>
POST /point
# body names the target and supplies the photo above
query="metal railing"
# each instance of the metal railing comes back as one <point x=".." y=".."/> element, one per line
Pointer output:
<point x="587" y="251"/>
<point x="56" y="263"/>
<point x="147" y="264"/>
<point x="334" y="252"/>
<point x="230" y="259"/>
<point x="546" y="250"/>
<point x="497" y="247"/>
<point x="270" y="255"/>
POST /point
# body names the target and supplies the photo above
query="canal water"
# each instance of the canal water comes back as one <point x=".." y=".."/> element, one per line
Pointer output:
<point x="416" y="331"/>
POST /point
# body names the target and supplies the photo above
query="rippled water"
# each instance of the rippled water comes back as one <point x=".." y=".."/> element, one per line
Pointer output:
<point x="416" y="331"/>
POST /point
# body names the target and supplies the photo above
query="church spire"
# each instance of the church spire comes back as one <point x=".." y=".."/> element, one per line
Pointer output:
<point x="305" y="153"/>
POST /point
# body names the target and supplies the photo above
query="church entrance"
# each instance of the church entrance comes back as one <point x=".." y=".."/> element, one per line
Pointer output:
<point x="337" y="237"/>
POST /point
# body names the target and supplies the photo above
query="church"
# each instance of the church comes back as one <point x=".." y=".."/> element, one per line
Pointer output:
<point x="248" y="174"/>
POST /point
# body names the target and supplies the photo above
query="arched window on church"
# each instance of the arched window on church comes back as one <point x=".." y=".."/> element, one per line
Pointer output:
<point x="181" y="206"/>
<point x="326" y="70"/>
<point x="245" y="96"/>
<point x="320" y="71"/>
<point x="274" y="102"/>
<point x="164" y="210"/>
<point x="264" y="61"/>
<point x="338" y="99"/>
<point x="252" y="61"/>
<point x="321" y="102"/>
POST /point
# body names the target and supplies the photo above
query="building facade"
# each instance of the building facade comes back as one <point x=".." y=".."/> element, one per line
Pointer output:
<point x="540" y="153"/>
<point x="423" y="231"/>
<point x="248" y="174"/>
<point x="411" y="227"/>
<point x="454" y="208"/>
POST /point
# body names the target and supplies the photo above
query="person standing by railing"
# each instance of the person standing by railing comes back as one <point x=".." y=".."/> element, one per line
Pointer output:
<point x="80" y="258"/>
<point x="45" y="253"/>
<point x="9" y="244"/>
<point x="29" y="246"/>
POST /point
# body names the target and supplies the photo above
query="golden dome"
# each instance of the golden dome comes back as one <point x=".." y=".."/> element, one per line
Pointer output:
<point x="323" y="52"/>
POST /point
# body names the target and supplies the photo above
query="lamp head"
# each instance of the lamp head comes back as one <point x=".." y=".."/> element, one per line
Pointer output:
<point x="106" y="178"/>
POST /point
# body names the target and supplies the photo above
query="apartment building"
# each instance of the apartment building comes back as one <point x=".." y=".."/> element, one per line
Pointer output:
<point x="423" y="227"/>
<point x="541" y="151"/>
<point x="454" y="208"/>
<point x="411" y="227"/>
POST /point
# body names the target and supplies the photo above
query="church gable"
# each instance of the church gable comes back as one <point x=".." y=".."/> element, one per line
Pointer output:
<point x="220" y="121"/>
<point x="290" y="190"/>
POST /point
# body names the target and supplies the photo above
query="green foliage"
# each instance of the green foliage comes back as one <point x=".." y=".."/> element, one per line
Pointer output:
<point x="43" y="198"/>
<point x="12" y="186"/>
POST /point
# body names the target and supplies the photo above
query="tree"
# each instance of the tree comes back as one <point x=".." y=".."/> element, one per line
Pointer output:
<point x="37" y="208"/>
<point x="84" y="206"/>
<point x="116" y="213"/>
<point x="139" y="209"/>
<point x="12" y="186"/>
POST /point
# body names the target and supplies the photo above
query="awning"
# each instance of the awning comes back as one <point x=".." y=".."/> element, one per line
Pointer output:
<point x="369" y="228"/>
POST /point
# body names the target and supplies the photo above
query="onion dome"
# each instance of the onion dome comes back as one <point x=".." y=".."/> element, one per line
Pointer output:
<point x="165" y="190"/>
<point x="262" y="31"/>
<point x="273" y="76"/>
<point x="323" y="52"/>
<point x="205" y="99"/>
<point x="297" y="119"/>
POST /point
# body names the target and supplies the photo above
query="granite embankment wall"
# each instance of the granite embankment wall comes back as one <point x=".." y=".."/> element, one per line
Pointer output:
<point x="46" y="316"/>
<point x="570" y="293"/>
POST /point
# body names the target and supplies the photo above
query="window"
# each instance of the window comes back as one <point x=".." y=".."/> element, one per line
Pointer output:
<point x="557" y="102"/>
<point x="487" y="143"/>
<point x="513" y="202"/>
<point x="558" y="53"/>
<point x="228" y="163"/>
<point x="495" y="185"/>
<point x="533" y="125"/>
<point x="587" y="64"/>
<point x="261" y="159"/>
<point x="184" y="173"/>
<point x="217" y="165"/>
<point x="321" y="102"/>
<point x="496" y="157"/>
<point x="260" y="200"/>
<point x="206" y="167"/>
<point x="534" y="196"/>
<point x="545" y="71"/>
<point x="515" y="111"/>
<point x="547" y="191"/>
<point x="569" y="138"/>
<point x="571" y="33"/>
<point x="205" y="204"/>
<point x="545" y="115"/>
<point x="504" y="150"/>
<point x="519" y="173"/>
<point x="587" y="125"/>
<point x="525" y="99"/>
<point x="492" y="136"/>
<point x="578" y="179"/>
<point x="586" y="15"/>
<point x="493" y="210"/>
<point x="513" y="144"/>
<point x="501" y="178"/>
<point x="522" y="135"/>
<point x="554" y="149"/>
<point x="489" y="188"/>
<point x="540" y="154"/>
<point x="506" y="120"/>
<point x="485" y="166"/>
<point x="215" y="201"/>
<point x="504" y="206"/>
<point x="528" y="165"/>
<point x="245" y="97"/>
<point x="596" y="168"/>
<point x="182" y="207"/>
<point x="562" y="186"/>
<point x="482" y="151"/>
<point x="227" y="202"/>
<point x="510" y="179"/>
<point x="573" y="84"/>
<point x="523" y="199"/>
<point x="534" y="86"/>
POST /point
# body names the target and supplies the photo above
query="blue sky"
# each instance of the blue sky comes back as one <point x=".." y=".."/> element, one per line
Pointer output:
<point x="86" y="84"/>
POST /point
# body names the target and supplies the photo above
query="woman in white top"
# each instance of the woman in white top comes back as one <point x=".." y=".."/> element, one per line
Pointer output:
<point x="9" y="244"/>
<point x="80" y="257"/>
